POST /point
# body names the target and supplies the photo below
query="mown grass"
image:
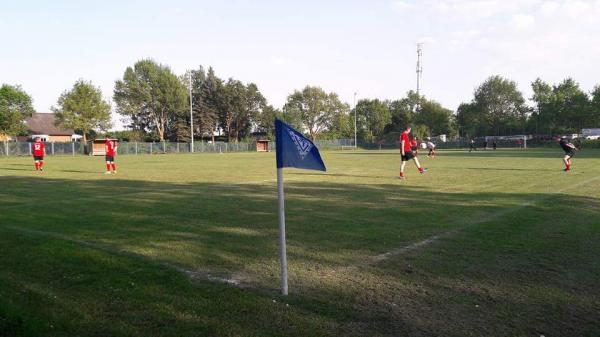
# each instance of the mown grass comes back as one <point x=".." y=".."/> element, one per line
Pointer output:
<point x="150" y="251"/>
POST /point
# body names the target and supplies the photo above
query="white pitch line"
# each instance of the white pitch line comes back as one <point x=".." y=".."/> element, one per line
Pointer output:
<point x="192" y="274"/>
<point x="450" y="233"/>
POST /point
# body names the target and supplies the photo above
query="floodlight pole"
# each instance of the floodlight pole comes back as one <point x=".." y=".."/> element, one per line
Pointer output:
<point x="282" y="246"/>
<point x="355" y="139"/>
<point x="191" y="116"/>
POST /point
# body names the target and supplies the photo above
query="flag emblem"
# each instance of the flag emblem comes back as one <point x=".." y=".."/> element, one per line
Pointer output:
<point x="303" y="145"/>
<point x="295" y="150"/>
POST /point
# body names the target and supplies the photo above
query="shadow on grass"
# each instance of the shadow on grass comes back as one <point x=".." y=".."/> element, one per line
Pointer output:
<point x="231" y="230"/>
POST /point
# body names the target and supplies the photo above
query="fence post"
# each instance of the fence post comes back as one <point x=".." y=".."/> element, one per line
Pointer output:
<point x="136" y="148"/>
<point x="164" y="147"/>
<point x="73" y="148"/>
<point x="177" y="147"/>
<point x="151" y="147"/>
<point x="6" y="145"/>
<point x="225" y="147"/>
<point x="29" y="147"/>
<point x="52" y="146"/>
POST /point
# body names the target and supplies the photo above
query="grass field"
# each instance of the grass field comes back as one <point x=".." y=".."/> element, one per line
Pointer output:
<point x="485" y="244"/>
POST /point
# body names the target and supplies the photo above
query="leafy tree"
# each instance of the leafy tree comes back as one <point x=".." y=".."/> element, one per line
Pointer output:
<point x="82" y="108"/>
<point x="497" y="107"/>
<point x="595" y="106"/>
<point x="571" y="106"/>
<point x="470" y="121"/>
<point x="232" y="107"/>
<point x="437" y="119"/>
<point x="372" y="118"/>
<point x="314" y="109"/>
<point x="207" y="95"/>
<point x="151" y="96"/>
<point x="402" y="112"/>
<point x="542" y="116"/>
<point x="500" y="102"/>
<point x="15" y="106"/>
<point x="265" y="120"/>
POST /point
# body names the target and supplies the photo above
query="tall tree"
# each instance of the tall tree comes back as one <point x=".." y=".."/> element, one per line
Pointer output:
<point x="373" y="116"/>
<point x="595" y="106"/>
<point x="402" y="112"/>
<point x="542" y="117"/>
<point x="571" y="106"/>
<point x="206" y="104"/>
<point x="83" y="108"/>
<point x="15" y="106"/>
<point x="437" y="119"/>
<point x="151" y="96"/>
<point x="314" y="109"/>
<point x="469" y="120"/>
<point x="502" y="104"/>
<point x="265" y="120"/>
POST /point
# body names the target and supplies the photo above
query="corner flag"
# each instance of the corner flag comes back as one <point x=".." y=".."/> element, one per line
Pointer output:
<point x="292" y="150"/>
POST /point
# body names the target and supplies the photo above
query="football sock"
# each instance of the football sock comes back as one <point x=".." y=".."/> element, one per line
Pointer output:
<point x="421" y="169"/>
<point x="37" y="166"/>
<point x="114" y="166"/>
<point x="107" y="167"/>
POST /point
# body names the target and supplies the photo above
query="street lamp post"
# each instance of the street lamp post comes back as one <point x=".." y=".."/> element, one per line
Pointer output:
<point x="191" y="116"/>
<point x="355" y="139"/>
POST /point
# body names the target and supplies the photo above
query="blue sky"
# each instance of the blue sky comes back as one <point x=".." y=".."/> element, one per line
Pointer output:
<point x="367" y="47"/>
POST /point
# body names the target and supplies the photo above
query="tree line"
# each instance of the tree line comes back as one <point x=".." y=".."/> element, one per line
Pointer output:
<point x="155" y="105"/>
<point x="499" y="108"/>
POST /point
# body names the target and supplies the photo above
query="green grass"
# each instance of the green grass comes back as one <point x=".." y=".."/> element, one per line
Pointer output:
<point x="485" y="244"/>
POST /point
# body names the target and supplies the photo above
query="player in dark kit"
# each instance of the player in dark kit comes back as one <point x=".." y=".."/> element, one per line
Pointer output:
<point x="111" y="150"/>
<point x="569" y="152"/>
<point x="38" y="150"/>
<point x="406" y="152"/>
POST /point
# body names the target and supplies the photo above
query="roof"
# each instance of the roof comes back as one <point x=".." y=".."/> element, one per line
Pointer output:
<point x="43" y="124"/>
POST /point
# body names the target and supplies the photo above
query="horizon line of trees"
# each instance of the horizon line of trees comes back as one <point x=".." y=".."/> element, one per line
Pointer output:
<point x="155" y="105"/>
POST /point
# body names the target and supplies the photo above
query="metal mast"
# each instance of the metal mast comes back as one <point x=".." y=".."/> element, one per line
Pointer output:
<point x="419" y="66"/>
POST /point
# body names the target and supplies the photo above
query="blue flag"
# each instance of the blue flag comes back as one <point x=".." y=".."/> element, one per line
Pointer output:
<point x="294" y="150"/>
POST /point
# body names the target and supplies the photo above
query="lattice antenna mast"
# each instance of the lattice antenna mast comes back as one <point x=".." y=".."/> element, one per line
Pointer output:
<point x="419" y="67"/>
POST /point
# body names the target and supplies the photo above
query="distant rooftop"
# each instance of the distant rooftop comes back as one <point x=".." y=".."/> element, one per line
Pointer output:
<point x="43" y="124"/>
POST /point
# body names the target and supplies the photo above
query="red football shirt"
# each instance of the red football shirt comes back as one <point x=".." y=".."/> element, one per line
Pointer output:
<point x="404" y="137"/>
<point x="110" y="147"/>
<point x="413" y="144"/>
<point x="38" y="148"/>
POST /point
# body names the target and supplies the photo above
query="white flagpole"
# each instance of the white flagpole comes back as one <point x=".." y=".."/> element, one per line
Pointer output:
<point x="282" y="249"/>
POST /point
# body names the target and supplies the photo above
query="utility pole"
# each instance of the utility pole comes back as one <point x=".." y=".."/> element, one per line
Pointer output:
<point x="191" y="116"/>
<point x="355" y="139"/>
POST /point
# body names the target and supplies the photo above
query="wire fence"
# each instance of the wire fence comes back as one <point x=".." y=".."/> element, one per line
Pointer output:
<point x="139" y="148"/>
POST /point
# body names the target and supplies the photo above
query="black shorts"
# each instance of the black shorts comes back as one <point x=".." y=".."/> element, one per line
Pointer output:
<point x="408" y="156"/>
<point x="570" y="153"/>
<point x="38" y="157"/>
<point x="110" y="158"/>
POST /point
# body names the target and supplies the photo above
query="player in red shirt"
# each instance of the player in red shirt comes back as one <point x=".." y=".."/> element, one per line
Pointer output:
<point x="111" y="150"/>
<point x="407" y="153"/>
<point x="38" y="153"/>
<point x="414" y="145"/>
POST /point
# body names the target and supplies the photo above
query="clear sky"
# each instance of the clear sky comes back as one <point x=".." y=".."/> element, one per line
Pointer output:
<point x="366" y="46"/>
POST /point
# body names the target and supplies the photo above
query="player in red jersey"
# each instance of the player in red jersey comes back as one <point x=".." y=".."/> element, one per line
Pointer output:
<point x="111" y="150"/>
<point x="407" y="153"/>
<point x="38" y="150"/>
<point x="414" y="146"/>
